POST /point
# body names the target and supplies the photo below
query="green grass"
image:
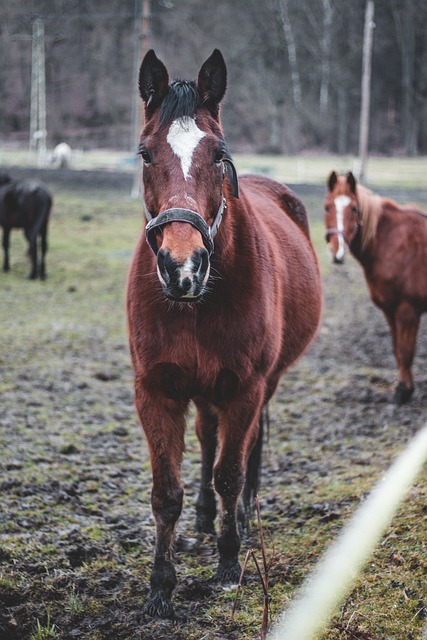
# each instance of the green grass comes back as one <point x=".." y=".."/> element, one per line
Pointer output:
<point x="44" y="631"/>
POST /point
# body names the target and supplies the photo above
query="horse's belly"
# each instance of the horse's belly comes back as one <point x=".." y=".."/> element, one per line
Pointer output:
<point x="16" y="220"/>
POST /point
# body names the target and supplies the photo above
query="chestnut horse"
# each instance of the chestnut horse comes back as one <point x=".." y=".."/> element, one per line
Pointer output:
<point x="25" y="204"/>
<point x="217" y="311"/>
<point x="390" y="242"/>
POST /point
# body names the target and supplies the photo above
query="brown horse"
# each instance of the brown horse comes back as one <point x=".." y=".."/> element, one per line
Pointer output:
<point x="390" y="242"/>
<point x="216" y="312"/>
<point x="25" y="204"/>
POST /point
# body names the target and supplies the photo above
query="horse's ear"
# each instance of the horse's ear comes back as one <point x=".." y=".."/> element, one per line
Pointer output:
<point x="212" y="82"/>
<point x="351" y="180"/>
<point x="153" y="81"/>
<point x="332" y="180"/>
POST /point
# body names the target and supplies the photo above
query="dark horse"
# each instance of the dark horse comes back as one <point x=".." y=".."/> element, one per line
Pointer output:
<point x="217" y="324"/>
<point x="25" y="204"/>
<point x="390" y="242"/>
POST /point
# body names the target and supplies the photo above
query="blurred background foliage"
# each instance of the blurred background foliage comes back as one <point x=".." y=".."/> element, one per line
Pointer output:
<point x="294" y="70"/>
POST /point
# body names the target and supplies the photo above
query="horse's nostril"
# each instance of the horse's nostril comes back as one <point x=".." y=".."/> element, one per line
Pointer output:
<point x="200" y="261"/>
<point x="167" y="266"/>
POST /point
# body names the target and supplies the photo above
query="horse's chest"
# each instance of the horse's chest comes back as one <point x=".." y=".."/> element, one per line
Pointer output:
<point x="197" y="364"/>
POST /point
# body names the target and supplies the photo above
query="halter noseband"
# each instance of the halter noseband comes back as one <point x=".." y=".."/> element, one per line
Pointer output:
<point x="342" y="233"/>
<point x="191" y="217"/>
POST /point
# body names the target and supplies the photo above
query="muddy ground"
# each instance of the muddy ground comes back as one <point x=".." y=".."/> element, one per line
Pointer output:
<point x="76" y="531"/>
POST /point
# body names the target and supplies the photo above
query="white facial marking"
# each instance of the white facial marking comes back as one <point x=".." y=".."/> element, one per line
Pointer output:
<point x="341" y="202"/>
<point x="187" y="271"/>
<point x="184" y="136"/>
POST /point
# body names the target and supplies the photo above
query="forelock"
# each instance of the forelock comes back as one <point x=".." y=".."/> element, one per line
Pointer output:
<point x="182" y="99"/>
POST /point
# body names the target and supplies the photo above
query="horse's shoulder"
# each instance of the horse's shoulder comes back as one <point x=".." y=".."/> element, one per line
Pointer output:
<point x="285" y="198"/>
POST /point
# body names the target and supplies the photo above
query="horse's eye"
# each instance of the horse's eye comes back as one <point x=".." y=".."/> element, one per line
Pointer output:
<point x="219" y="156"/>
<point x="146" y="156"/>
<point x="327" y="207"/>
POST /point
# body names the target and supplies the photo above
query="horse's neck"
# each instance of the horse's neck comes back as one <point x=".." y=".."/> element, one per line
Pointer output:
<point x="362" y="252"/>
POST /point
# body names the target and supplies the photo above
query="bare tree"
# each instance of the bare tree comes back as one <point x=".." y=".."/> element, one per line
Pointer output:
<point x="325" y="62"/>
<point x="403" y="13"/>
<point x="286" y="25"/>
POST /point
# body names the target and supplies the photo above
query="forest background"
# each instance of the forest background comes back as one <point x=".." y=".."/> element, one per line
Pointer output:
<point x="294" y="69"/>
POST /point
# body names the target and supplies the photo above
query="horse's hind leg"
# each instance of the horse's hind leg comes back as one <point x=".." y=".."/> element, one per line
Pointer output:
<point x="404" y="331"/>
<point x="237" y="433"/>
<point x="6" y="237"/>
<point x="31" y="236"/>
<point x="206" y="428"/>
<point x="163" y="423"/>
<point x="43" y="253"/>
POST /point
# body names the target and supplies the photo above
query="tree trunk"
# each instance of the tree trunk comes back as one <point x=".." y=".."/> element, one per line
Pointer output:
<point x="366" y="88"/>
<point x="342" y="134"/>
<point x="326" y="59"/>
<point x="404" y="20"/>
<point x="292" y="52"/>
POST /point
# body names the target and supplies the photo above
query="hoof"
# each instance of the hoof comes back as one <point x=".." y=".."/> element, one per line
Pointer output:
<point x="159" y="606"/>
<point x="402" y="394"/>
<point x="228" y="572"/>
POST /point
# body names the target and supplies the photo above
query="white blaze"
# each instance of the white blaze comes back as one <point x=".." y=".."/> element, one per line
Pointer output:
<point x="184" y="136"/>
<point x="341" y="202"/>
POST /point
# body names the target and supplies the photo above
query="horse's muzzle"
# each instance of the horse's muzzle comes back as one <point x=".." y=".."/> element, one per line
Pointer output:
<point x="336" y="260"/>
<point x="183" y="282"/>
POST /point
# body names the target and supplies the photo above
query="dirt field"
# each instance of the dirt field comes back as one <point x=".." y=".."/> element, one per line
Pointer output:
<point x="76" y="532"/>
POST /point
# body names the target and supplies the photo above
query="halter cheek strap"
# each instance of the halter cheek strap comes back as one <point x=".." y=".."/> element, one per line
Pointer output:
<point x="191" y="217"/>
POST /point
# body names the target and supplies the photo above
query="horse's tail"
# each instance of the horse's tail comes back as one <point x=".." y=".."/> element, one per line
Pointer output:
<point x="253" y="467"/>
<point x="43" y="204"/>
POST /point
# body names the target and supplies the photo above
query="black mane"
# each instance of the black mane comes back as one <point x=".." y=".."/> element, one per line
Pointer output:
<point x="182" y="99"/>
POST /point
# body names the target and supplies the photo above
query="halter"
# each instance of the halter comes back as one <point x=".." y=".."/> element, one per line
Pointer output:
<point x="192" y="217"/>
<point x="342" y="233"/>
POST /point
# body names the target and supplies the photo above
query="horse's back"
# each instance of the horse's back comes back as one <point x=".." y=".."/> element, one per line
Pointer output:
<point x="281" y="195"/>
<point x="32" y="188"/>
<point x="25" y="203"/>
<point x="289" y="268"/>
<point x="33" y="197"/>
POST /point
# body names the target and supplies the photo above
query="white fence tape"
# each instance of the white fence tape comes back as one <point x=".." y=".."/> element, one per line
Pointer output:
<point x="331" y="581"/>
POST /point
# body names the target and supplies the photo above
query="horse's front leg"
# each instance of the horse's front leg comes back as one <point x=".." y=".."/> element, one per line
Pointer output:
<point x="163" y="421"/>
<point x="237" y="432"/>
